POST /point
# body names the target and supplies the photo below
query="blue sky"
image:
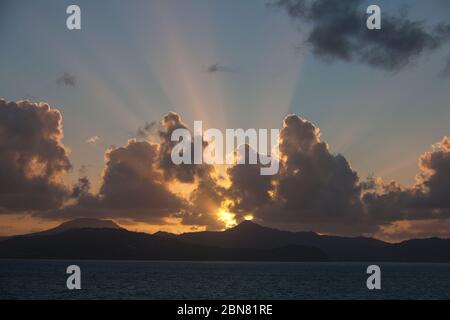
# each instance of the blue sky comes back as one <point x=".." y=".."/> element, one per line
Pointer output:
<point x="134" y="61"/>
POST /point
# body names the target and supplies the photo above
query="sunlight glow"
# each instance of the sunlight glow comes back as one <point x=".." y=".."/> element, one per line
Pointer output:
<point x="227" y="217"/>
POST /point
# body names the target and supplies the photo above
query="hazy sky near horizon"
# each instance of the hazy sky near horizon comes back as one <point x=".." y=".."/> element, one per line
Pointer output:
<point x="134" y="61"/>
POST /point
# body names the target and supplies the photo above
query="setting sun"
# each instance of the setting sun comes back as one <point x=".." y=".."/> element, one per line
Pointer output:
<point x="248" y="217"/>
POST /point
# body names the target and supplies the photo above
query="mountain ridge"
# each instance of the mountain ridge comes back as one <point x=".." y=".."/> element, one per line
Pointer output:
<point x="337" y="248"/>
<point x="121" y="244"/>
<point x="79" y="223"/>
<point x="248" y="241"/>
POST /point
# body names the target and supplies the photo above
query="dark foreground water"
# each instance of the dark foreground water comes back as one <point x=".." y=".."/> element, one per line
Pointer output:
<point x="44" y="279"/>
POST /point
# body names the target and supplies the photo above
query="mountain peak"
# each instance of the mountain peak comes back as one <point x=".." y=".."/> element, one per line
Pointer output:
<point x="80" y="223"/>
<point x="89" y="223"/>
<point x="247" y="225"/>
<point x="164" y="234"/>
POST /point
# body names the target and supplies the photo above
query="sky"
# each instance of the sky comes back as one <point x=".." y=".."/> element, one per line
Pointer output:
<point x="231" y="64"/>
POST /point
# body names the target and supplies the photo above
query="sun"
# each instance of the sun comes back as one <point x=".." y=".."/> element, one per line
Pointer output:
<point x="248" y="217"/>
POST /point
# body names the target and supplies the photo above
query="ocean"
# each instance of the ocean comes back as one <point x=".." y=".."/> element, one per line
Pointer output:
<point x="46" y="279"/>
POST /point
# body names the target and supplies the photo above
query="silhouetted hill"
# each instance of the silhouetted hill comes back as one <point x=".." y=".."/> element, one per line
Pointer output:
<point x="81" y="223"/>
<point x="245" y="242"/>
<point x="249" y="234"/>
<point x="123" y="244"/>
<point x="422" y="250"/>
<point x="74" y="224"/>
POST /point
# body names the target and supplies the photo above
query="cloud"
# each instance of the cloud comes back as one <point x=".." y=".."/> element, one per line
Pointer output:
<point x="93" y="140"/>
<point x="429" y="198"/>
<point x="67" y="80"/>
<point x="249" y="189"/>
<point x="81" y="188"/>
<point x="205" y="202"/>
<point x="336" y="30"/>
<point x="184" y="172"/>
<point x="314" y="190"/>
<point x="132" y="187"/>
<point x="136" y="185"/>
<point x="216" y="67"/>
<point x="317" y="190"/>
<point x="33" y="158"/>
<point x="435" y="176"/>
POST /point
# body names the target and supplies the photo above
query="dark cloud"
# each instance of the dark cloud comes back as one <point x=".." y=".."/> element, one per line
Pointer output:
<point x="435" y="176"/>
<point x="32" y="157"/>
<point x="315" y="189"/>
<point x="204" y="204"/>
<point x="136" y="185"/>
<point x="249" y="189"/>
<point x="67" y="80"/>
<point x="336" y="29"/>
<point x="428" y="199"/>
<point x="389" y="202"/>
<point x="131" y="180"/>
<point x="184" y="172"/>
<point x="81" y="188"/>
<point x="132" y="187"/>
<point x="216" y="67"/>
